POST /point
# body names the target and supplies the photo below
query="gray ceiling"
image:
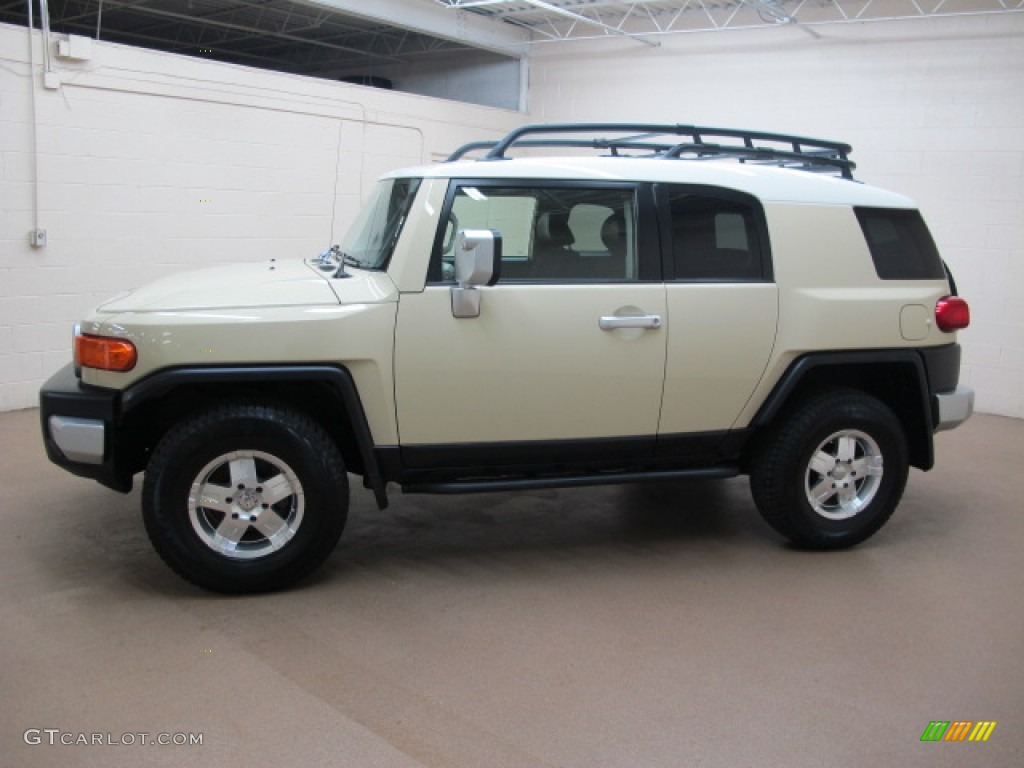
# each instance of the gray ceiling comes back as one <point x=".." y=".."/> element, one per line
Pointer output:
<point x="300" y="37"/>
<point x="339" y="38"/>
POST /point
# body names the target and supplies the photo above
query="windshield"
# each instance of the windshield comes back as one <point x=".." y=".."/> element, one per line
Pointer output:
<point x="372" y="236"/>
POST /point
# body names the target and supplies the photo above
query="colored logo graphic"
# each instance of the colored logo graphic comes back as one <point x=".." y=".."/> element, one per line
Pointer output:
<point x="958" y="730"/>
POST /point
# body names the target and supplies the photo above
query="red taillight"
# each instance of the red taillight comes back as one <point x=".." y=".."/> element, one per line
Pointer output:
<point x="952" y="314"/>
<point x="105" y="354"/>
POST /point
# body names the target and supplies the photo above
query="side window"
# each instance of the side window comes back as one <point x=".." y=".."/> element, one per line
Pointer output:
<point x="557" y="234"/>
<point x="714" y="236"/>
<point x="900" y="244"/>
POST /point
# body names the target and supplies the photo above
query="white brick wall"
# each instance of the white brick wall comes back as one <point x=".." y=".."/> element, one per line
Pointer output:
<point x="151" y="163"/>
<point x="933" y="109"/>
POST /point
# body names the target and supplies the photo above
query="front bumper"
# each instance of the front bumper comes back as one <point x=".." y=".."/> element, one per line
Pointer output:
<point x="78" y="427"/>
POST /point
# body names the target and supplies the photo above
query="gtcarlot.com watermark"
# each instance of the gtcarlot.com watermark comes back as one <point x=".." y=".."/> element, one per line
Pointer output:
<point x="57" y="736"/>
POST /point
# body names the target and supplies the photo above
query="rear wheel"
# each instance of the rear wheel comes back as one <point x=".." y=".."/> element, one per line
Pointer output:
<point x="832" y="474"/>
<point x="245" y="498"/>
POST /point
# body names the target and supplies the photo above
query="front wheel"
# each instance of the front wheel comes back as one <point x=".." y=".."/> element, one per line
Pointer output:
<point x="245" y="498"/>
<point x="832" y="474"/>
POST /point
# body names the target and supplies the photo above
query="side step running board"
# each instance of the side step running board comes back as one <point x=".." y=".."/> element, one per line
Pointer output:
<point x="565" y="481"/>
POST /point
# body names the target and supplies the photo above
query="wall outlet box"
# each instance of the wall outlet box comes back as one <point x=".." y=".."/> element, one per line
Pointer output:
<point x="51" y="80"/>
<point x="76" y="47"/>
<point x="37" y="237"/>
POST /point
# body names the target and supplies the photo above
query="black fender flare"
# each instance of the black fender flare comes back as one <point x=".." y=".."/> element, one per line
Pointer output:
<point x="161" y="382"/>
<point x="815" y="363"/>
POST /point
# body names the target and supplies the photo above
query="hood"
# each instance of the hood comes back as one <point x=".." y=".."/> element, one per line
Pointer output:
<point x="289" y="283"/>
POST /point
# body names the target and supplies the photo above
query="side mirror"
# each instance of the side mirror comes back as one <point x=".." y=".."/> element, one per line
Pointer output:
<point x="477" y="263"/>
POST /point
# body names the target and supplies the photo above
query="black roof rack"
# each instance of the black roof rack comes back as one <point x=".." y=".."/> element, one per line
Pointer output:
<point x="656" y="140"/>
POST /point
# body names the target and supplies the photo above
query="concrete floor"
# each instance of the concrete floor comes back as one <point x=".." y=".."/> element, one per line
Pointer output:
<point x="624" y="626"/>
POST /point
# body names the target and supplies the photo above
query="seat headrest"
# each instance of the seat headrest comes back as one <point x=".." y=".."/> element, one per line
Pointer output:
<point x="613" y="232"/>
<point x="553" y="229"/>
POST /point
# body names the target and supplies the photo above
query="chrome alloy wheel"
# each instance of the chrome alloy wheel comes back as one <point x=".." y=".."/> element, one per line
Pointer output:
<point x="246" y="504"/>
<point x="843" y="475"/>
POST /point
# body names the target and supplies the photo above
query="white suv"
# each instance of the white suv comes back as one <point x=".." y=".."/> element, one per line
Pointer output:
<point x="690" y="302"/>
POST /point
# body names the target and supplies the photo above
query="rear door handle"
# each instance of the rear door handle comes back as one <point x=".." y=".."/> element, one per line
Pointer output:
<point x="643" y="321"/>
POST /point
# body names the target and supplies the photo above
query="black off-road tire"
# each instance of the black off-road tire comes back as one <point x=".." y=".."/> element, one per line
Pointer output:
<point x="245" y="497"/>
<point x="833" y="472"/>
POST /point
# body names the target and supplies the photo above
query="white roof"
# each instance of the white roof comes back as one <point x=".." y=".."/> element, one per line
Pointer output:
<point x="768" y="183"/>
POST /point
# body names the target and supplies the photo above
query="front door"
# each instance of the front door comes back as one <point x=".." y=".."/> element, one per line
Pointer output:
<point x="569" y="348"/>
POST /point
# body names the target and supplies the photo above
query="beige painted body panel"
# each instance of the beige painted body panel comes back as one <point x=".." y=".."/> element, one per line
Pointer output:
<point x="359" y="334"/>
<point x="411" y="257"/>
<point x="720" y="337"/>
<point x="267" y="283"/>
<point x="830" y="297"/>
<point x="534" y="365"/>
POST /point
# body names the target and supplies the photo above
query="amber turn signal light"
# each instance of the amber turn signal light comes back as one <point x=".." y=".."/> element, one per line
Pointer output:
<point x="104" y="353"/>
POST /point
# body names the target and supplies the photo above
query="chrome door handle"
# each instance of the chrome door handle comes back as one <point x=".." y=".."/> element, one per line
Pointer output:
<point x="643" y="321"/>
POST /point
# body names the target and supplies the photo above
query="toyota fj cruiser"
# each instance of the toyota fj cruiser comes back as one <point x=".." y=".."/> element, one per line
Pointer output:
<point x="616" y="303"/>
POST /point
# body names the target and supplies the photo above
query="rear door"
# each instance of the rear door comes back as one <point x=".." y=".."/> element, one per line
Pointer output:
<point x="722" y="305"/>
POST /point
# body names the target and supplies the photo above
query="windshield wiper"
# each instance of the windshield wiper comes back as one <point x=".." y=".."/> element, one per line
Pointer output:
<point x="336" y="259"/>
<point x="352" y="261"/>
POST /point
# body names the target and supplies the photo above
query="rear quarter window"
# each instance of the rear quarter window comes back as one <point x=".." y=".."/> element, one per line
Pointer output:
<point x="900" y="244"/>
